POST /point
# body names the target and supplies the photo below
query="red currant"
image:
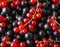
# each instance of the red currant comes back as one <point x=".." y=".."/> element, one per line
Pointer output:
<point x="16" y="29"/>
<point x="12" y="5"/>
<point x="53" y="17"/>
<point x="20" y="22"/>
<point x="15" y="40"/>
<point x="31" y="27"/>
<point x="5" y="39"/>
<point x="55" y="1"/>
<point x="26" y="20"/>
<point x="24" y="30"/>
<point x="33" y="22"/>
<point x="36" y="41"/>
<point x="42" y="45"/>
<point x="49" y="21"/>
<point x="56" y="45"/>
<point x="38" y="45"/>
<point x="32" y="11"/>
<point x="39" y="11"/>
<point x="39" y="5"/>
<point x="3" y="44"/>
<point x="33" y="1"/>
<point x="29" y="15"/>
<point x="22" y="44"/>
<point x="14" y="44"/>
<point x="4" y="4"/>
<point x="45" y="42"/>
<point x="17" y="3"/>
<point x="21" y="27"/>
<point x="38" y="15"/>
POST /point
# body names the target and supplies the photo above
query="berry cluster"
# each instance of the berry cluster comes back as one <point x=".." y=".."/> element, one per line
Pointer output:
<point x="30" y="23"/>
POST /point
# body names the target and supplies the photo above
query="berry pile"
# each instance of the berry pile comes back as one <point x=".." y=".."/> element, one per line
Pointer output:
<point x="30" y="23"/>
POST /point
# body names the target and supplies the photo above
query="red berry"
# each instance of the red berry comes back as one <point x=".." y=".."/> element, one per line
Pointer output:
<point x="55" y="1"/>
<point x="36" y="41"/>
<point x="24" y="30"/>
<point x="15" y="40"/>
<point x="5" y="39"/>
<point x="1" y="18"/>
<point x="50" y="39"/>
<point x="38" y="15"/>
<point x="0" y="5"/>
<point x="51" y="44"/>
<point x="12" y="5"/>
<point x="54" y="24"/>
<point x="42" y="45"/>
<point x="38" y="45"/>
<point x="53" y="18"/>
<point x="49" y="21"/>
<point x="32" y="11"/>
<point x="33" y="1"/>
<point x="59" y="30"/>
<point x="55" y="28"/>
<point x="20" y="22"/>
<point x="56" y="45"/>
<point x="34" y="18"/>
<point x="17" y="3"/>
<point x="39" y="5"/>
<point x="22" y="44"/>
<point x="39" y="11"/>
<point x="4" y="4"/>
<point x="33" y="22"/>
<point x="2" y="24"/>
<point x="26" y="20"/>
<point x="16" y="29"/>
<point x="45" y="42"/>
<point x="3" y="44"/>
<point x="29" y="15"/>
<point x="21" y="27"/>
<point x="14" y="44"/>
<point x="31" y="27"/>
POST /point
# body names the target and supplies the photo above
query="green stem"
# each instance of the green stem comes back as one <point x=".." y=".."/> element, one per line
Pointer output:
<point x="47" y="1"/>
<point x="33" y="14"/>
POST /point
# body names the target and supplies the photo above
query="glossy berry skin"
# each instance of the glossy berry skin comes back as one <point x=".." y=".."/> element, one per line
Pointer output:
<point x="20" y="22"/>
<point x="33" y="22"/>
<point x="56" y="45"/>
<point x="3" y="24"/>
<point x="53" y="18"/>
<point x="17" y="3"/>
<point x="42" y="45"/>
<point x="21" y="27"/>
<point x="22" y="44"/>
<point x="24" y="30"/>
<point x="37" y="41"/>
<point x="55" y="1"/>
<point x="25" y="20"/>
<point x="5" y="39"/>
<point x="15" y="40"/>
<point x="4" y="4"/>
<point x="39" y="5"/>
<point x="38" y="15"/>
<point x="45" y="42"/>
<point x="14" y="44"/>
<point x="12" y="5"/>
<point x="3" y="44"/>
<point x="32" y="11"/>
<point x="28" y="15"/>
<point x="49" y="21"/>
<point x="33" y="2"/>
<point x="16" y="29"/>
<point x="31" y="27"/>
<point x="38" y="45"/>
